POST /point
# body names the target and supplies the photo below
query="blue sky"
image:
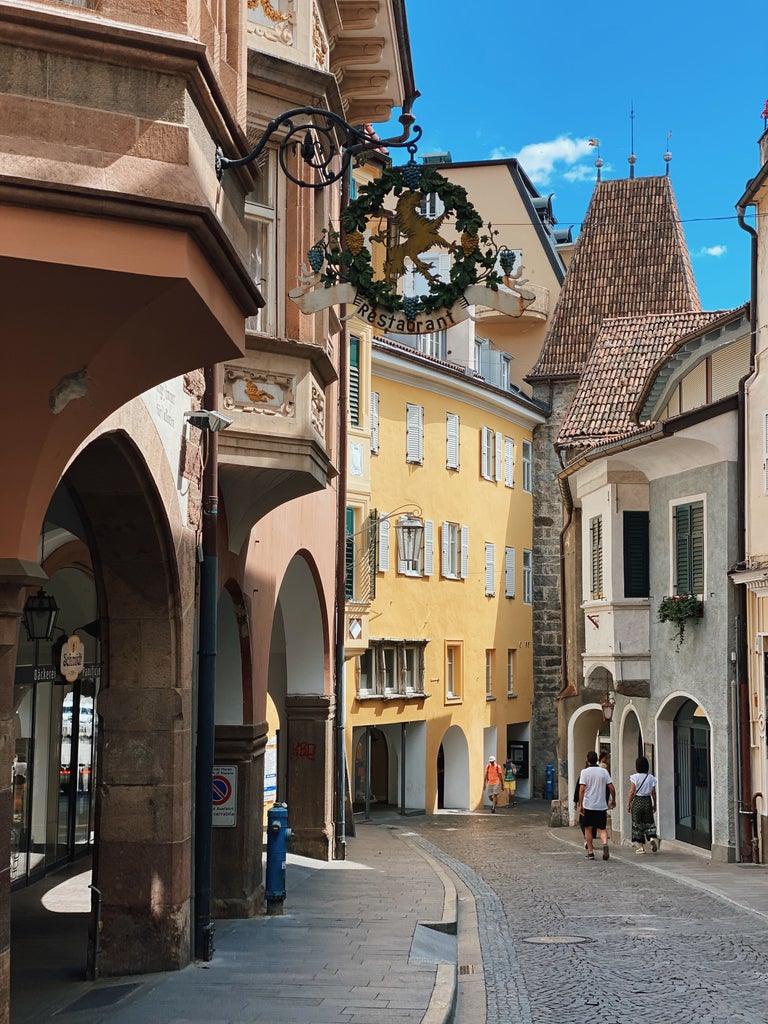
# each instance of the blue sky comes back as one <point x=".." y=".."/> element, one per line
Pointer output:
<point x="536" y="82"/>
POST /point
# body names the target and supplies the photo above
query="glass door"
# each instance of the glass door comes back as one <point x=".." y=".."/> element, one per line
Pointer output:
<point x="693" y="789"/>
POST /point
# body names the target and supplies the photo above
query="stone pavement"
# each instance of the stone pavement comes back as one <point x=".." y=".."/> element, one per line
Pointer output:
<point x="389" y="935"/>
<point x="356" y="945"/>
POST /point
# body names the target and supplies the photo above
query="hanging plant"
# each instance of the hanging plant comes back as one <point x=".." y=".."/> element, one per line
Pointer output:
<point x="677" y="610"/>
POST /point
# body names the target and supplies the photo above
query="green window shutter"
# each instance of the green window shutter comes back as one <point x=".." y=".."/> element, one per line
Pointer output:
<point x="596" y="545"/>
<point x="636" y="552"/>
<point x="689" y="548"/>
<point x="349" y="555"/>
<point x="354" y="381"/>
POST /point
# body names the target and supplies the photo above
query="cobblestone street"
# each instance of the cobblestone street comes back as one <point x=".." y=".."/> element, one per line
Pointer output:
<point x="565" y="940"/>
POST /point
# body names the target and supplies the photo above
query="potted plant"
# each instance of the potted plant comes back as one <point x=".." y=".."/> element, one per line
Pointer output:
<point x="678" y="609"/>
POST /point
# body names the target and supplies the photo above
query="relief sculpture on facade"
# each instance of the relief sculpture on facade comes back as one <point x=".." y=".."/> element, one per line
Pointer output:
<point x="259" y="391"/>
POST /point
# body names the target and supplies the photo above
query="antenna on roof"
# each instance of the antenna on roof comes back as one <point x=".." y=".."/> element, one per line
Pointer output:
<point x="632" y="157"/>
<point x="667" y="155"/>
<point x="595" y="144"/>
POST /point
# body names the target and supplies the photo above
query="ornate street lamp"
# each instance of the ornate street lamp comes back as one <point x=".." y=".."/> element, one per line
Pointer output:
<point x="40" y="614"/>
<point x="409" y="531"/>
<point x="608" y="704"/>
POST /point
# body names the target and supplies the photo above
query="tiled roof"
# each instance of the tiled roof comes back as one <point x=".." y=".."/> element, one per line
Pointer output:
<point x="625" y="352"/>
<point x="630" y="259"/>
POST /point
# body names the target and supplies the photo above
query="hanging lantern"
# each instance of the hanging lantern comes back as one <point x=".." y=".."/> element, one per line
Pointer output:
<point x="40" y="614"/>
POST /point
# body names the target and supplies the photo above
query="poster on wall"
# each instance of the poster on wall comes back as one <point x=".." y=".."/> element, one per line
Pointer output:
<point x="270" y="771"/>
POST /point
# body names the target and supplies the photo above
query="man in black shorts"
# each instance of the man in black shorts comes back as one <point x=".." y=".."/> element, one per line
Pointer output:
<point x="594" y="784"/>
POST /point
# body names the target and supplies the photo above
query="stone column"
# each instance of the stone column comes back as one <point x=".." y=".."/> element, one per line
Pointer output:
<point x="236" y="874"/>
<point x="15" y="577"/>
<point x="310" y="774"/>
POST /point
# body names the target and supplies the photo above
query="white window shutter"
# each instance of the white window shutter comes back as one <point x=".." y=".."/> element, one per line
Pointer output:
<point x="509" y="462"/>
<point x="383" y="545"/>
<point x="375" y="422"/>
<point x="509" y="572"/>
<point x="490" y="570"/>
<point x="429" y="537"/>
<point x="765" y="452"/>
<point x="498" y="452"/>
<point x="451" y="440"/>
<point x="485" y="451"/>
<point x="464" y="552"/>
<point x="445" y="550"/>
<point x="414" y="434"/>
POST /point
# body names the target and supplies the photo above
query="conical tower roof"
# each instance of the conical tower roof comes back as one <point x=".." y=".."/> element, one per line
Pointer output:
<point x="630" y="259"/>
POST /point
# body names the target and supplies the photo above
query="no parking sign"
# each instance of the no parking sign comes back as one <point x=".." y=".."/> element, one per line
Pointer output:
<point x="224" y="794"/>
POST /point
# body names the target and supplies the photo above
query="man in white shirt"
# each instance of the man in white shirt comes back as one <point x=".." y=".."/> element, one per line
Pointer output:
<point x="594" y="784"/>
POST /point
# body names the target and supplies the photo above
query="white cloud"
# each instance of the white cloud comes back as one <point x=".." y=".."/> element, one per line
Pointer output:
<point x="501" y="153"/>
<point x="713" y="250"/>
<point x="539" y="159"/>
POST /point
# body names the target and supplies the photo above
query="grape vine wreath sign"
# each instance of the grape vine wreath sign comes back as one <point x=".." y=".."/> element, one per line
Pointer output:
<point x="341" y="267"/>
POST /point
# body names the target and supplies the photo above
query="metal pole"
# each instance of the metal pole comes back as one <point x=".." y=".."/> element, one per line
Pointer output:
<point x="206" y="682"/>
<point x="340" y="844"/>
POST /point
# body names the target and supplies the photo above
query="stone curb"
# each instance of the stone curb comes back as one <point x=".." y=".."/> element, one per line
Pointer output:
<point x="442" y="1003"/>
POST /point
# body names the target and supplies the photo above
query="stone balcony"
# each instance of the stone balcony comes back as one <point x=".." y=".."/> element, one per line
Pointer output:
<point x="277" y="447"/>
<point x="617" y="639"/>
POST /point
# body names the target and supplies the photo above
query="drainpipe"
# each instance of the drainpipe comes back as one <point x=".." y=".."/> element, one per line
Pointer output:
<point x="206" y="680"/>
<point x="340" y="843"/>
<point x="748" y="849"/>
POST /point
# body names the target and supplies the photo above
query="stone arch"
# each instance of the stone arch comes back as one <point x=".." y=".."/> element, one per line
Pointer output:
<point x="234" y="693"/>
<point x="145" y="588"/>
<point x="584" y="727"/>
<point x="455" y="769"/>
<point x="667" y="768"/>
<point x="630" y="746"/>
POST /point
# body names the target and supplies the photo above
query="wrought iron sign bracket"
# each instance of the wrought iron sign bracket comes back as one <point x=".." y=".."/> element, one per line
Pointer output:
<point x="315" y="132"/>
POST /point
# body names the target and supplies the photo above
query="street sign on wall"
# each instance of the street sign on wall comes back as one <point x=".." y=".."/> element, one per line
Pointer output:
<point x="224" y="792"/>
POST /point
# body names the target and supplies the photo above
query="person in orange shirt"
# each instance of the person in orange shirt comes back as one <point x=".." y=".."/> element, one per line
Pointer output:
<point x="494" y="780"/>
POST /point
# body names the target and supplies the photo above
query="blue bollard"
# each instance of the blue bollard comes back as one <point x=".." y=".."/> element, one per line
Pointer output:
<point x="549" y="783"/>
<point x="278" y="837"/>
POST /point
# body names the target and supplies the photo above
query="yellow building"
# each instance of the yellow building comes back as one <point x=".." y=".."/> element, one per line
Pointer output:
<point x="439" y="532"/>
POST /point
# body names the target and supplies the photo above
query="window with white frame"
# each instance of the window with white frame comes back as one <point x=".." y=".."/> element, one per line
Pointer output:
<point x="453" y="671"/>
<point x="596" y="558"/>
<point x="454" y="551"/>
<point x="509" y="462"/>
<point x="509" y="572"/>
<point x="504" y="364"/>
<point x="263" y="265"/>
<point x="489" y="673"/>
<point x="452" y="426"/>
<point x="510" y="672"/>
<point x="490" y="569"/>
<point x="477" y="366"/>
<point x="419" y="561"/>
<point x="414" y="433"/>
<point x="392" y="667"/>
<point x="527" y="576"/>
<point x="487" y="453"/>
<point x="527" y="466"/>
<point x="689" y="548"/>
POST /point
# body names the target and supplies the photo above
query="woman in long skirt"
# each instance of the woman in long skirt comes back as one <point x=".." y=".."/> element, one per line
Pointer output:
<point x="641" y="803"/>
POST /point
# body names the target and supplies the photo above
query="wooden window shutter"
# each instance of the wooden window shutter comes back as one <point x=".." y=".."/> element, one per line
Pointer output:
<point x="375" y="422"/>
<point x="490" y="570"/>
<point x="464" y="572"/>
<point x="636" y="554"/>
<point x="354" y="381"/>
<point x="429" y="539"/>
<point x="384" y="545"/>
<point x="509" y="572"/>
<point x="414" y="434"/>
<point x="451" y="440"/>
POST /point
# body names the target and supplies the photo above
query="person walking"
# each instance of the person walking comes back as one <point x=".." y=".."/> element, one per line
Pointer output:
<point x="577" y="803"/>
<point x="494" y="779"/>
<point x="510" y="782"/>
<point x="594" y="783"/>
<point x="641" y="803"/>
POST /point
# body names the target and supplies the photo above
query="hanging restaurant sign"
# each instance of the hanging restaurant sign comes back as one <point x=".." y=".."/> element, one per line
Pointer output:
<point x="72" y="660"/>
<point x="341" y="266"/>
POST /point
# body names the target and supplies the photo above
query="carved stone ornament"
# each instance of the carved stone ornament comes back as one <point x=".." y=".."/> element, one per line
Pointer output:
<point x="275" y="21"/>
<point x="259" y="391"/>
